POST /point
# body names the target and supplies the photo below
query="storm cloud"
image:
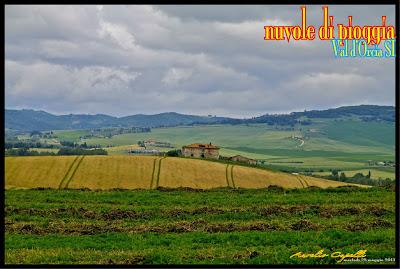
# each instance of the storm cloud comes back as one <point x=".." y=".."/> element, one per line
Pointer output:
<point x="123" y="60"/>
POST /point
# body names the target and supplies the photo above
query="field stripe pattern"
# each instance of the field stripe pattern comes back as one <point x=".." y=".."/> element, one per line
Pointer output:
<point x="304" y="180"/>
<point x="73" y="173"/>
<point x="226" y="175"/>
<point x="154" y="172"/>
<point x="158" y="172"/>
<point x="144" y="172"/>
<point x="233" y="182"/>
<point x="155" y="178"/>
<point x="301" y="181"/>
<point x="229" y="176"/>
<point x="62" y="183"/>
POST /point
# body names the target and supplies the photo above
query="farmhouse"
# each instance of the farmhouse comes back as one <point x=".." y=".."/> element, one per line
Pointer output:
<point x="240" y="158"/>
<point x="208" y="151"/>
<point x="144" y="152"/>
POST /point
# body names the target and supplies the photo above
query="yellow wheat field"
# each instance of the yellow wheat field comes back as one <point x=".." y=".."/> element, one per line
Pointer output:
<point x="325" y="183"/>
<point x="144" y="172"/>
<point x="37" y="171"/>
<point x="109" y="172"/>
<point x="245" y="177"/>
<point x="192" y="173"/>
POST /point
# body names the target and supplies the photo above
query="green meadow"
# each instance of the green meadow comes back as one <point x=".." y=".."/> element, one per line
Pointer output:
<point x="375" y="173"/>
<point x="326" y="144"/>
<point x="219" y="226"/>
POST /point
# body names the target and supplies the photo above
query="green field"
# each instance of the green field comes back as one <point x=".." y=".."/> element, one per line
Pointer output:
<point x="375" y="173"/>
<point x="328" y="144"/>
<point x="207" y="227"/>
<point x="70" y="135"/>
<point x="54" y="150"/>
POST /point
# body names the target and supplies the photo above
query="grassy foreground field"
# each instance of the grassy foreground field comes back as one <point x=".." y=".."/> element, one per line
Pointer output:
<point x="220" y="226"/>
<point x="144" y="172"/>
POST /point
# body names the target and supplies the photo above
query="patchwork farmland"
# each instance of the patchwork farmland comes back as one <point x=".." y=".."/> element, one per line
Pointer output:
<point x="144" y="172"/>
<point x="133" y="209"/>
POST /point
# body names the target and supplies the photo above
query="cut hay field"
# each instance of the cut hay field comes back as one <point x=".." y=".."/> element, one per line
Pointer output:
<point x="144" y="172"/>
<point x="220" y="226"/>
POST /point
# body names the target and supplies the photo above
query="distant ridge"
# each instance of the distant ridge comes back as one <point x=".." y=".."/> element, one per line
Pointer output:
<point x="29" y="120"/>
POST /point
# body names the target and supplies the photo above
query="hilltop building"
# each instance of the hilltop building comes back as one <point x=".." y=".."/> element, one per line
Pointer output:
<point x="242" y="159"/>
<point x="207" y="151"/>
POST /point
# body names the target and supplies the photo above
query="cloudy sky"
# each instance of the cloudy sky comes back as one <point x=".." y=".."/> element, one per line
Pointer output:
<point x="124" y="60"/>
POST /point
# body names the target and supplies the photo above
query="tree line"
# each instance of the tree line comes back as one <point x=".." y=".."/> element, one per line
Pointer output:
<point x="360" y="178"/>
<point x="62" y="151"/>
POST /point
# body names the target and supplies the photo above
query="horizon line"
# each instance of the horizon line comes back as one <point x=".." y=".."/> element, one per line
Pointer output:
<point x="208" y="115"/>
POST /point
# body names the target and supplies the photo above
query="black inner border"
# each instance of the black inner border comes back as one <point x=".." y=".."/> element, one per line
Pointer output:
<point x="276" y="2"/>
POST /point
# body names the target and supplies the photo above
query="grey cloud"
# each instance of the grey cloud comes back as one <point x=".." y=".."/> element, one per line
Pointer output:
<point x="124" y="60"/>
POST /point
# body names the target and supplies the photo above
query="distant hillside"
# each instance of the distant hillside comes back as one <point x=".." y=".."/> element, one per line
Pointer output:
<point x="29" y="120"/>
<point x="364" y="112"/>
<point x="167" y="119"/>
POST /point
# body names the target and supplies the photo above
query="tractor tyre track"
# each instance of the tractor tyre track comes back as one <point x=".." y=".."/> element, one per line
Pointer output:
<point x="159" y="171"/>
<point x="73" y="173"/>
<point x="68" y="171"/>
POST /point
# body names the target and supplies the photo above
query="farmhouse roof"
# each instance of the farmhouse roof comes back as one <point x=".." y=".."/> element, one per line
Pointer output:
<point x="241" y="156"/>
<point x="201" y="146"/>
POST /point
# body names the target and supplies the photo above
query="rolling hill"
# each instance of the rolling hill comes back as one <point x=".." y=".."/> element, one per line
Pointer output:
<point x="144" y="172"/>
<point x="30" y="120"/>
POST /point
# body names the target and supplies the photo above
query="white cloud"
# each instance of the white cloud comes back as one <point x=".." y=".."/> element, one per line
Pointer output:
<point x="147" y="59"/>
<point x="175" y="75"/>
<point x="253" y="30"/>
<point x="51" y="82"/>
<point x="119" y="34"/>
